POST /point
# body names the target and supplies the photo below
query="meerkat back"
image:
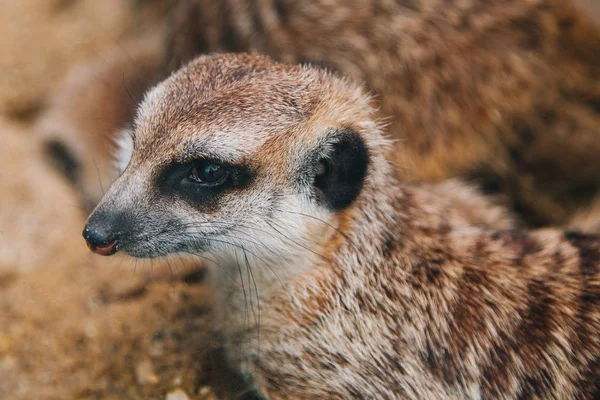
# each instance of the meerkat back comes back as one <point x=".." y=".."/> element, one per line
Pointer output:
<point x="504" y="92"/>
<point x="91" y="110"/>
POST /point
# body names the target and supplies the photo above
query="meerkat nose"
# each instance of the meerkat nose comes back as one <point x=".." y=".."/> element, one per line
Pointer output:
<point x="101" y="243"/>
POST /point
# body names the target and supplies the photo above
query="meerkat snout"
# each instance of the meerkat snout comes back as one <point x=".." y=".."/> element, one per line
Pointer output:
<point x="102" y="237"/>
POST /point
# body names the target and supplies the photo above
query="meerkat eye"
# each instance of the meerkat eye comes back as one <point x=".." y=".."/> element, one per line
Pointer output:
<point x="208" y="173"/>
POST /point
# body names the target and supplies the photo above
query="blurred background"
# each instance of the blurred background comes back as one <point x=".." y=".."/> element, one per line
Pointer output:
<point x="73" y="326"/>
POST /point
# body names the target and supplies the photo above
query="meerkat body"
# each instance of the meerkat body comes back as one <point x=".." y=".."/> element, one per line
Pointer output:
<point x="437" y="312"/>
<point x="334" y="278"/>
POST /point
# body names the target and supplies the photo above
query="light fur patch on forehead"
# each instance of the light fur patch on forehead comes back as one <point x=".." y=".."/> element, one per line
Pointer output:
<point x="224" y="130"/>
<point x="198" y="114"/>
<point x="231" y="145"/>
<point x="153" y="100"/>
<point x="231" y="106"/>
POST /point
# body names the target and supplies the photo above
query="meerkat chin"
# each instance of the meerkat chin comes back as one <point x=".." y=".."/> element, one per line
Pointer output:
<point x="358" y="285"/>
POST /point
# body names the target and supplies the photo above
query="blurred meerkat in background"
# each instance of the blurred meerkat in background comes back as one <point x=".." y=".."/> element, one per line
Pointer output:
<point x="502" y="93"/>
<point x="94" y="102"/>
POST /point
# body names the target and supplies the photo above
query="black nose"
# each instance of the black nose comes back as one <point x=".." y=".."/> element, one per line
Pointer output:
<point x="100" y="239"/>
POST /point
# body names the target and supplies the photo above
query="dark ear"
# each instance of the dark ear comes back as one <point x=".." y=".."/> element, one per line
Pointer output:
<point x="339" y="176"/>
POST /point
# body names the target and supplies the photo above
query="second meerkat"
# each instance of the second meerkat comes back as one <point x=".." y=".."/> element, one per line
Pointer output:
<point x="335" y="279"/>
<point x="502" y="92"/>
<point x="505" y="92"/>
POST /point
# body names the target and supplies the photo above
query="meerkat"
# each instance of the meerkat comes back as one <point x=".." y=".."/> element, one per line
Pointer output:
<point x="336" y="278"/>
<point x="91" y="107"/>
<point x="504" y="93"/>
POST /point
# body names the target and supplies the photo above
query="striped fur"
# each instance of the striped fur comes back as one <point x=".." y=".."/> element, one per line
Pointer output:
<point x="410" y="292"/>
<point x="505" y="92"/>
<point x="424" y="309"/>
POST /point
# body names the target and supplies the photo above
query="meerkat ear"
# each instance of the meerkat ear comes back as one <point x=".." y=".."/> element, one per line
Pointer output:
<point x="340" y="174"/>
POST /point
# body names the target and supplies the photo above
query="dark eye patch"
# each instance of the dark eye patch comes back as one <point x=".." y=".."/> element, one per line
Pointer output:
<point x="178" y="180"/>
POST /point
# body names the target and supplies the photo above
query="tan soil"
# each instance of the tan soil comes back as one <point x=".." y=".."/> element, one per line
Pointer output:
<point x="41" y="39"/>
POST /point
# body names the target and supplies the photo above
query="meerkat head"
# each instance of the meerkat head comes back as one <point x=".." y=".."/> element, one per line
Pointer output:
<point x="237" y="153"/>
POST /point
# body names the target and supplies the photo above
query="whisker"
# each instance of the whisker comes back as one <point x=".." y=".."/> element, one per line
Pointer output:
<point x="246" y="314"/>
<point x="183" y="265"/>
<point x="257" y="315"/>
<point x="99" y="177"/>
<point x="140" y="76"/>
<point x="127" y="90"/>
<point x="195" y="239"/>
<point x="211" y="260"/>
<point x="178" y="227"/>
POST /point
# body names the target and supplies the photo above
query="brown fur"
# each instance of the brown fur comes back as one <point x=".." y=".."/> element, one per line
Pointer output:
<point x="588" y="219"/>
<point x="403" y="298"/>
<point x="506" y="92"/>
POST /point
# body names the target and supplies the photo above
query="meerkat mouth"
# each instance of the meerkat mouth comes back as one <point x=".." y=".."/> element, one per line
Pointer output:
<point x="104" y="250"/>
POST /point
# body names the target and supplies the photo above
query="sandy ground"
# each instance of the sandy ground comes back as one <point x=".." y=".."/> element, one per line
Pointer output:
<point x="41" y="39"/>
<point x="78" y="326"/>
<point x="74" y="325"/>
